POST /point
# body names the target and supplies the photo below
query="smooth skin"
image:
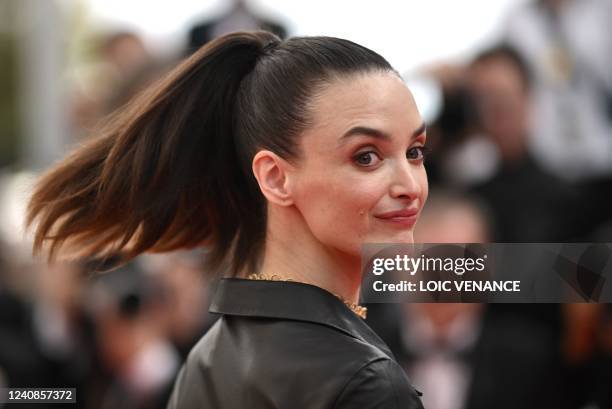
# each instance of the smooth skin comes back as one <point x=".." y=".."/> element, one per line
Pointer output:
<point x="361" y="159"/>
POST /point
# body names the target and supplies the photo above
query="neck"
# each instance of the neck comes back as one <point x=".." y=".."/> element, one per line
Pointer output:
<point x="292" y="252"/>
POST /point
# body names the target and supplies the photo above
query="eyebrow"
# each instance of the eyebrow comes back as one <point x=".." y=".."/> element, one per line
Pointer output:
<point x="376" y="133"/>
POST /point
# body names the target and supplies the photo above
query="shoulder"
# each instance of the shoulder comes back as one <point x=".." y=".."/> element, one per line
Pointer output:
<point x="336" y="368"/>
<point x="323" y="347"/>
<point x="266" y="340"/>
<point x="379" y="384"/>
<point x="276" y="347"/>
<point x="321" y="344"/>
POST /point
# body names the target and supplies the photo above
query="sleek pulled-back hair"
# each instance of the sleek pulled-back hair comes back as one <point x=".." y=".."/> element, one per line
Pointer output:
<point x="173" y="168"/>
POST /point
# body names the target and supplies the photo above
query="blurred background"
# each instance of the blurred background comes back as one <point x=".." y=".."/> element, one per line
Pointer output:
<point x="517" y="95"/>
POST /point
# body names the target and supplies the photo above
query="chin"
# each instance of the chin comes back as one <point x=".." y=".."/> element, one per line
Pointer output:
<point x="406" y="237"/>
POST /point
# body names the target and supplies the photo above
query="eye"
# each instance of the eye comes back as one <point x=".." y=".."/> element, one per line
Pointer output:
<point x="369" y="158"/>
<point x="416" y="153"/>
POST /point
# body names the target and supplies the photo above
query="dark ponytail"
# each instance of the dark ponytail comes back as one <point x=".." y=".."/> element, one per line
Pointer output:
<point x="172" y="169"/>
<point x="164" y="173"/>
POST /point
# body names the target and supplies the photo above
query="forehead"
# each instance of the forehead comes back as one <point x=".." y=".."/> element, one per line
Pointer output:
<point x="377" y="99"/>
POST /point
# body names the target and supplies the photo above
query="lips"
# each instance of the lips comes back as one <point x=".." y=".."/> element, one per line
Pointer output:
<point x="398" y="213"/>
<point x="403" y="217"/>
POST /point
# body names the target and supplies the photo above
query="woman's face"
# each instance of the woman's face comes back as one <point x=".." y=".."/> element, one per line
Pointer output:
<point x="360" y="177"/>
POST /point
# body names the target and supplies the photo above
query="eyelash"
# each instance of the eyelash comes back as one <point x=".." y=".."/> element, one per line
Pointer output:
<point x="424" y="151"/>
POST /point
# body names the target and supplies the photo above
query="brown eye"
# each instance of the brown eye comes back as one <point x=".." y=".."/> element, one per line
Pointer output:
<point x="368" y="158"/>
<point x="416" y="153"/>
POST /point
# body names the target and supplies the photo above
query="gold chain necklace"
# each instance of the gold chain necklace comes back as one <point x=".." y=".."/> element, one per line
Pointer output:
<point x="356" y="308"/>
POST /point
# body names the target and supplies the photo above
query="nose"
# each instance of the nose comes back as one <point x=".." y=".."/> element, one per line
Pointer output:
<point x="406" y="182"/>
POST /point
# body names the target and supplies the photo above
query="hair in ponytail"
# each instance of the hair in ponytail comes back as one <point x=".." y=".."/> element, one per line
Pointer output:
<point x="173" y="169"/>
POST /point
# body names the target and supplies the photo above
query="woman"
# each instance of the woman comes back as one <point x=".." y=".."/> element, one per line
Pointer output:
<point x="282" y="158"/>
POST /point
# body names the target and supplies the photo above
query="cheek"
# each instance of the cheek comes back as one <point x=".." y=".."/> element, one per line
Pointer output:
<point x="424" y="183"/>
<point x="337" y="206"/>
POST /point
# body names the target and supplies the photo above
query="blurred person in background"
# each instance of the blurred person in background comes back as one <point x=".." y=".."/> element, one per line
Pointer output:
<point x="567" y="45"/>
<point x="131" y="67"/>
<point x="122" y="66"/>
<point x="528" y="203"/>
<point x="282" y="158"/>
<point x="125" y="53"/>
<point x="136" y="363"/>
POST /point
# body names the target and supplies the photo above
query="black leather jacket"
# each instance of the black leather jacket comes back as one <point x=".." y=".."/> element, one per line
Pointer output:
<point x="289" y="345"/>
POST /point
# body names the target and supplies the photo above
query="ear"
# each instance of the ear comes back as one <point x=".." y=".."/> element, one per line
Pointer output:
<point x="271" y="172"/>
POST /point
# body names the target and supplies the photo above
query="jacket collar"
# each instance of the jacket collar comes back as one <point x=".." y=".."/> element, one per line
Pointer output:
<point x="292" y="301"/>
